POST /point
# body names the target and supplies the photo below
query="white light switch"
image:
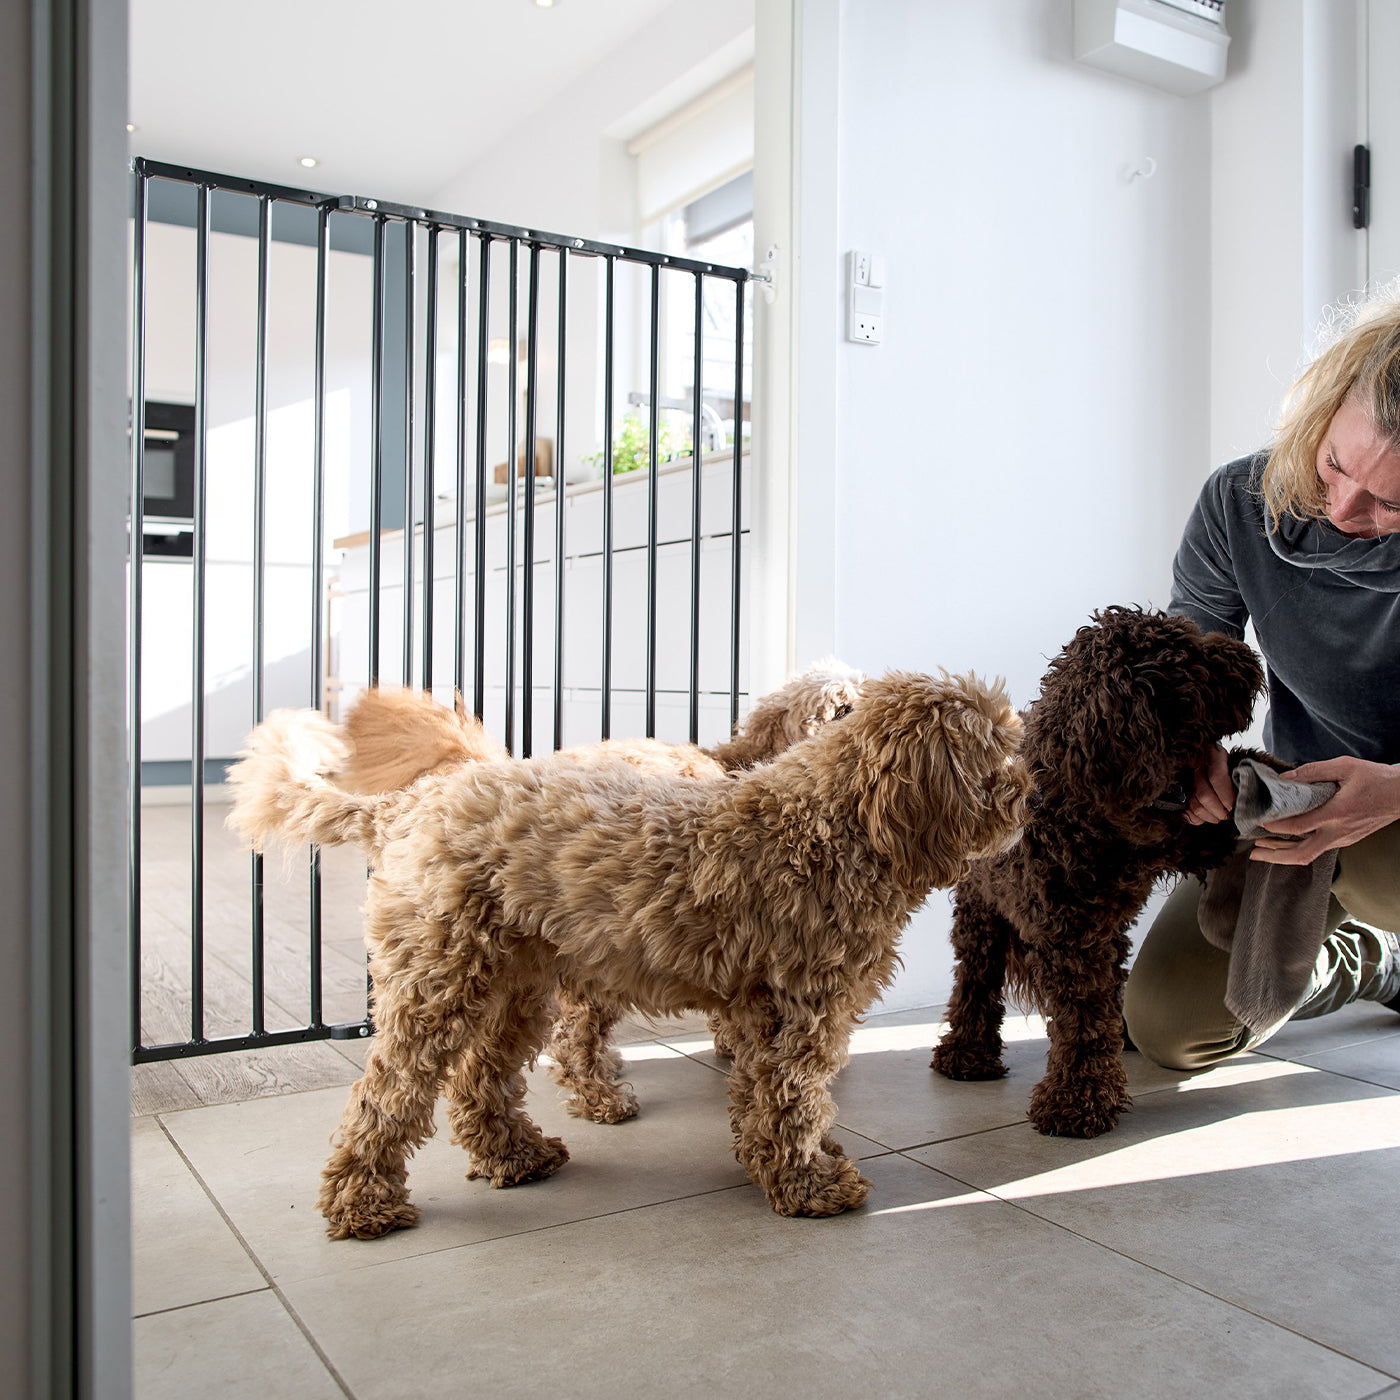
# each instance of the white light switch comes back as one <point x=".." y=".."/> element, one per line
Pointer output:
<point x="865" y="298"/>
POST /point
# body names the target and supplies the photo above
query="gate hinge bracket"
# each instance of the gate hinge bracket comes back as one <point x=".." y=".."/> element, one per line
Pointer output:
<point x="766" y="274"/>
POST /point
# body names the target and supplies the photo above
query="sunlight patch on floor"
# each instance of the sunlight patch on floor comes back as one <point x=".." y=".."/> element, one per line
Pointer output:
<point x="635" y="1054"/>
<point x="872" y="1040"/>
<point x="1267" y="1138"/>
<point x="1243" y="1072"/>
<point x="876" y="1040"/>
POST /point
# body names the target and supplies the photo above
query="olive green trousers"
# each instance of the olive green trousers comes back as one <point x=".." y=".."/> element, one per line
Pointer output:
<point x="1174" y="1002"/>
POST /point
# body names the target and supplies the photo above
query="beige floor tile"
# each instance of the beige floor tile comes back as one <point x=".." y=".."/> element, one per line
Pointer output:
<point x="244" y="1348"/>
<point x="1374" y="1061"/>
<point x="1361" y="1023"/>
<point x="1265" y="1182"/>
<point x="182" y="1250"/>
<point x="262" y="1160"/>
<point x="634" y="1028"/>
<point x="889" y="1094"/>
<point x="931" y="1290"/>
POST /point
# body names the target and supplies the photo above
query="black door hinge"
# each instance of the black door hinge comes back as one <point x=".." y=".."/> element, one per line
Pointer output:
<point x="1361" y="187"/>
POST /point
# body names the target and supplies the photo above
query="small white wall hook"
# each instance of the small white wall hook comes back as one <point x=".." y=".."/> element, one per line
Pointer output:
<point x="766" y="274"/>
<point x="1146" y="168"/>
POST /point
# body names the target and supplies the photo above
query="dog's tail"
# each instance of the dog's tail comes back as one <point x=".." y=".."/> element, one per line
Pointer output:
<point x="282" y="789"/>
<point x="394" y="737"/>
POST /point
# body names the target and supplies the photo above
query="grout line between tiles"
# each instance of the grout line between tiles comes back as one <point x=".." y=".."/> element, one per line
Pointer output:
<point x="272" y="1284"/>
<point x="937" y="1141"/>
<point x="535" y="1229"/>
<point x="1166" y="1273"/>
<point x="198" y="1303"/>
<point x="1327" y="1069"/>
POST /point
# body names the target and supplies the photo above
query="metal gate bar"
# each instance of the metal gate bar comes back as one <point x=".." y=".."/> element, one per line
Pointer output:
<point x="519" y="626"/>
<point x="410" y="291"/>
<point x="696" y="425"/>
<point x="135" y="546"/>
<point x="259" y="570"/>
<point x="512" y="473"/>
<point x="201" y="478"/>
<point x="429" y="458"/>
<point x="376" y="437"/>
<point x="606" y="725"/>
<point x="561" y="389"/>
<point x="653" y="466"/>
<point x="318" y="573"/>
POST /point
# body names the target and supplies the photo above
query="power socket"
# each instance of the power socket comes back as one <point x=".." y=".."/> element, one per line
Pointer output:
<point x="865" y="330"/>
<point x="865" y="298"/>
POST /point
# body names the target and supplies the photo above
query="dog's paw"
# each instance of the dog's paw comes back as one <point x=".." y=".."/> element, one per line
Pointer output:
<point x="527" y="1161"/>
<point x="1077" y="1110"/>
<point x="723" y="1035"/>
<point x="825" y="1186"/>
<point x="955" y="1061"/>
<point x="370" y="1210"/>
<point x="602" y="1103"/>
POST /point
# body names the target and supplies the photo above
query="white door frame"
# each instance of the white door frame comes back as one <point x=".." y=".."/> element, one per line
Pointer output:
<point x="1382" y="134"/>
<point x="65" y="1293"/>
<point x="792" y="605"/>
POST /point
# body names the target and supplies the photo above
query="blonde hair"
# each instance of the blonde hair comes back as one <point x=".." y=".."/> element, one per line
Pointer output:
<point x="1358" y="357"/>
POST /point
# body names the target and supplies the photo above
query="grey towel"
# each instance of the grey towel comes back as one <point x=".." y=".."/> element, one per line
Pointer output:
<point x="1271" y="919"/>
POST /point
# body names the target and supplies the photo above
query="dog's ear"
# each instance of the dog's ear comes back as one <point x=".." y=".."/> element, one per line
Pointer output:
<point x="765" y="732"/>
<point x="1236" y="679"/>
<point x="930" y="754"/>
<point x="797" y="710"/>
<point x="1097" y="729"/>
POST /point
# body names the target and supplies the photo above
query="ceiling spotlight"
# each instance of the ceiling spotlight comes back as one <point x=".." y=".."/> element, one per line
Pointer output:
<point x="545" y="4"/>
<point x="131" y="126"/>
<point x="310" y="162"/>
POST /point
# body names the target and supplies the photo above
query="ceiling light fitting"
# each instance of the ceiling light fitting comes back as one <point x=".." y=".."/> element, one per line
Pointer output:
<point x="310" y="162"/>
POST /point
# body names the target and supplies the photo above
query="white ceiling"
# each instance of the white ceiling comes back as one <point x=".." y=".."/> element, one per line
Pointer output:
<point x="392" y="99"/>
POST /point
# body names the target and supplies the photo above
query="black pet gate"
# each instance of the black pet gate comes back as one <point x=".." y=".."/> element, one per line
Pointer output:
<point x="348" y="364"/>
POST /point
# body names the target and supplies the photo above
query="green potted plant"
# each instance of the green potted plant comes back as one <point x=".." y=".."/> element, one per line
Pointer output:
<point x="632" y="445"/>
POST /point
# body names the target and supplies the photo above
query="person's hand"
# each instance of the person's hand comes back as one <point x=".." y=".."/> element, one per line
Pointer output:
<point x="1367" y="798"/>
<point x="1214" y="797"/>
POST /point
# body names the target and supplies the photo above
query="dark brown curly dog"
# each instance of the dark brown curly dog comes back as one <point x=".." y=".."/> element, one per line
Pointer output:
<point x="1125" y="712"/>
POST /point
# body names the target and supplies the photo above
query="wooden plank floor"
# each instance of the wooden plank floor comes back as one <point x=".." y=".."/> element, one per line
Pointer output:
<point x="167" y="963"/>
<point x="166" y="967"/>
<point x="189" y="1082"/>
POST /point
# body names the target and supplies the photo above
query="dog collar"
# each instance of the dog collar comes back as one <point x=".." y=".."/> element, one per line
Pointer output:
<point x="1177" y="796"/>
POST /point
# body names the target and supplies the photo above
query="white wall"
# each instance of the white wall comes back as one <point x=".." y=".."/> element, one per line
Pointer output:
<point x="1025" y="444"/>
<point x="1283" y="125"/>
<point x="1382" y="30"/>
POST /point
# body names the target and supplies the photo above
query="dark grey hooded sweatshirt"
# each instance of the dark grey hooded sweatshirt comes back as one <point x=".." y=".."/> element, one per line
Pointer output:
<point x="1326" y="611"/>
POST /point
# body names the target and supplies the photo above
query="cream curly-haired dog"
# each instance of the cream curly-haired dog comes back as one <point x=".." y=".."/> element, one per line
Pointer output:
<point x="777" y="894"/>
<point x="393" y="737"/>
